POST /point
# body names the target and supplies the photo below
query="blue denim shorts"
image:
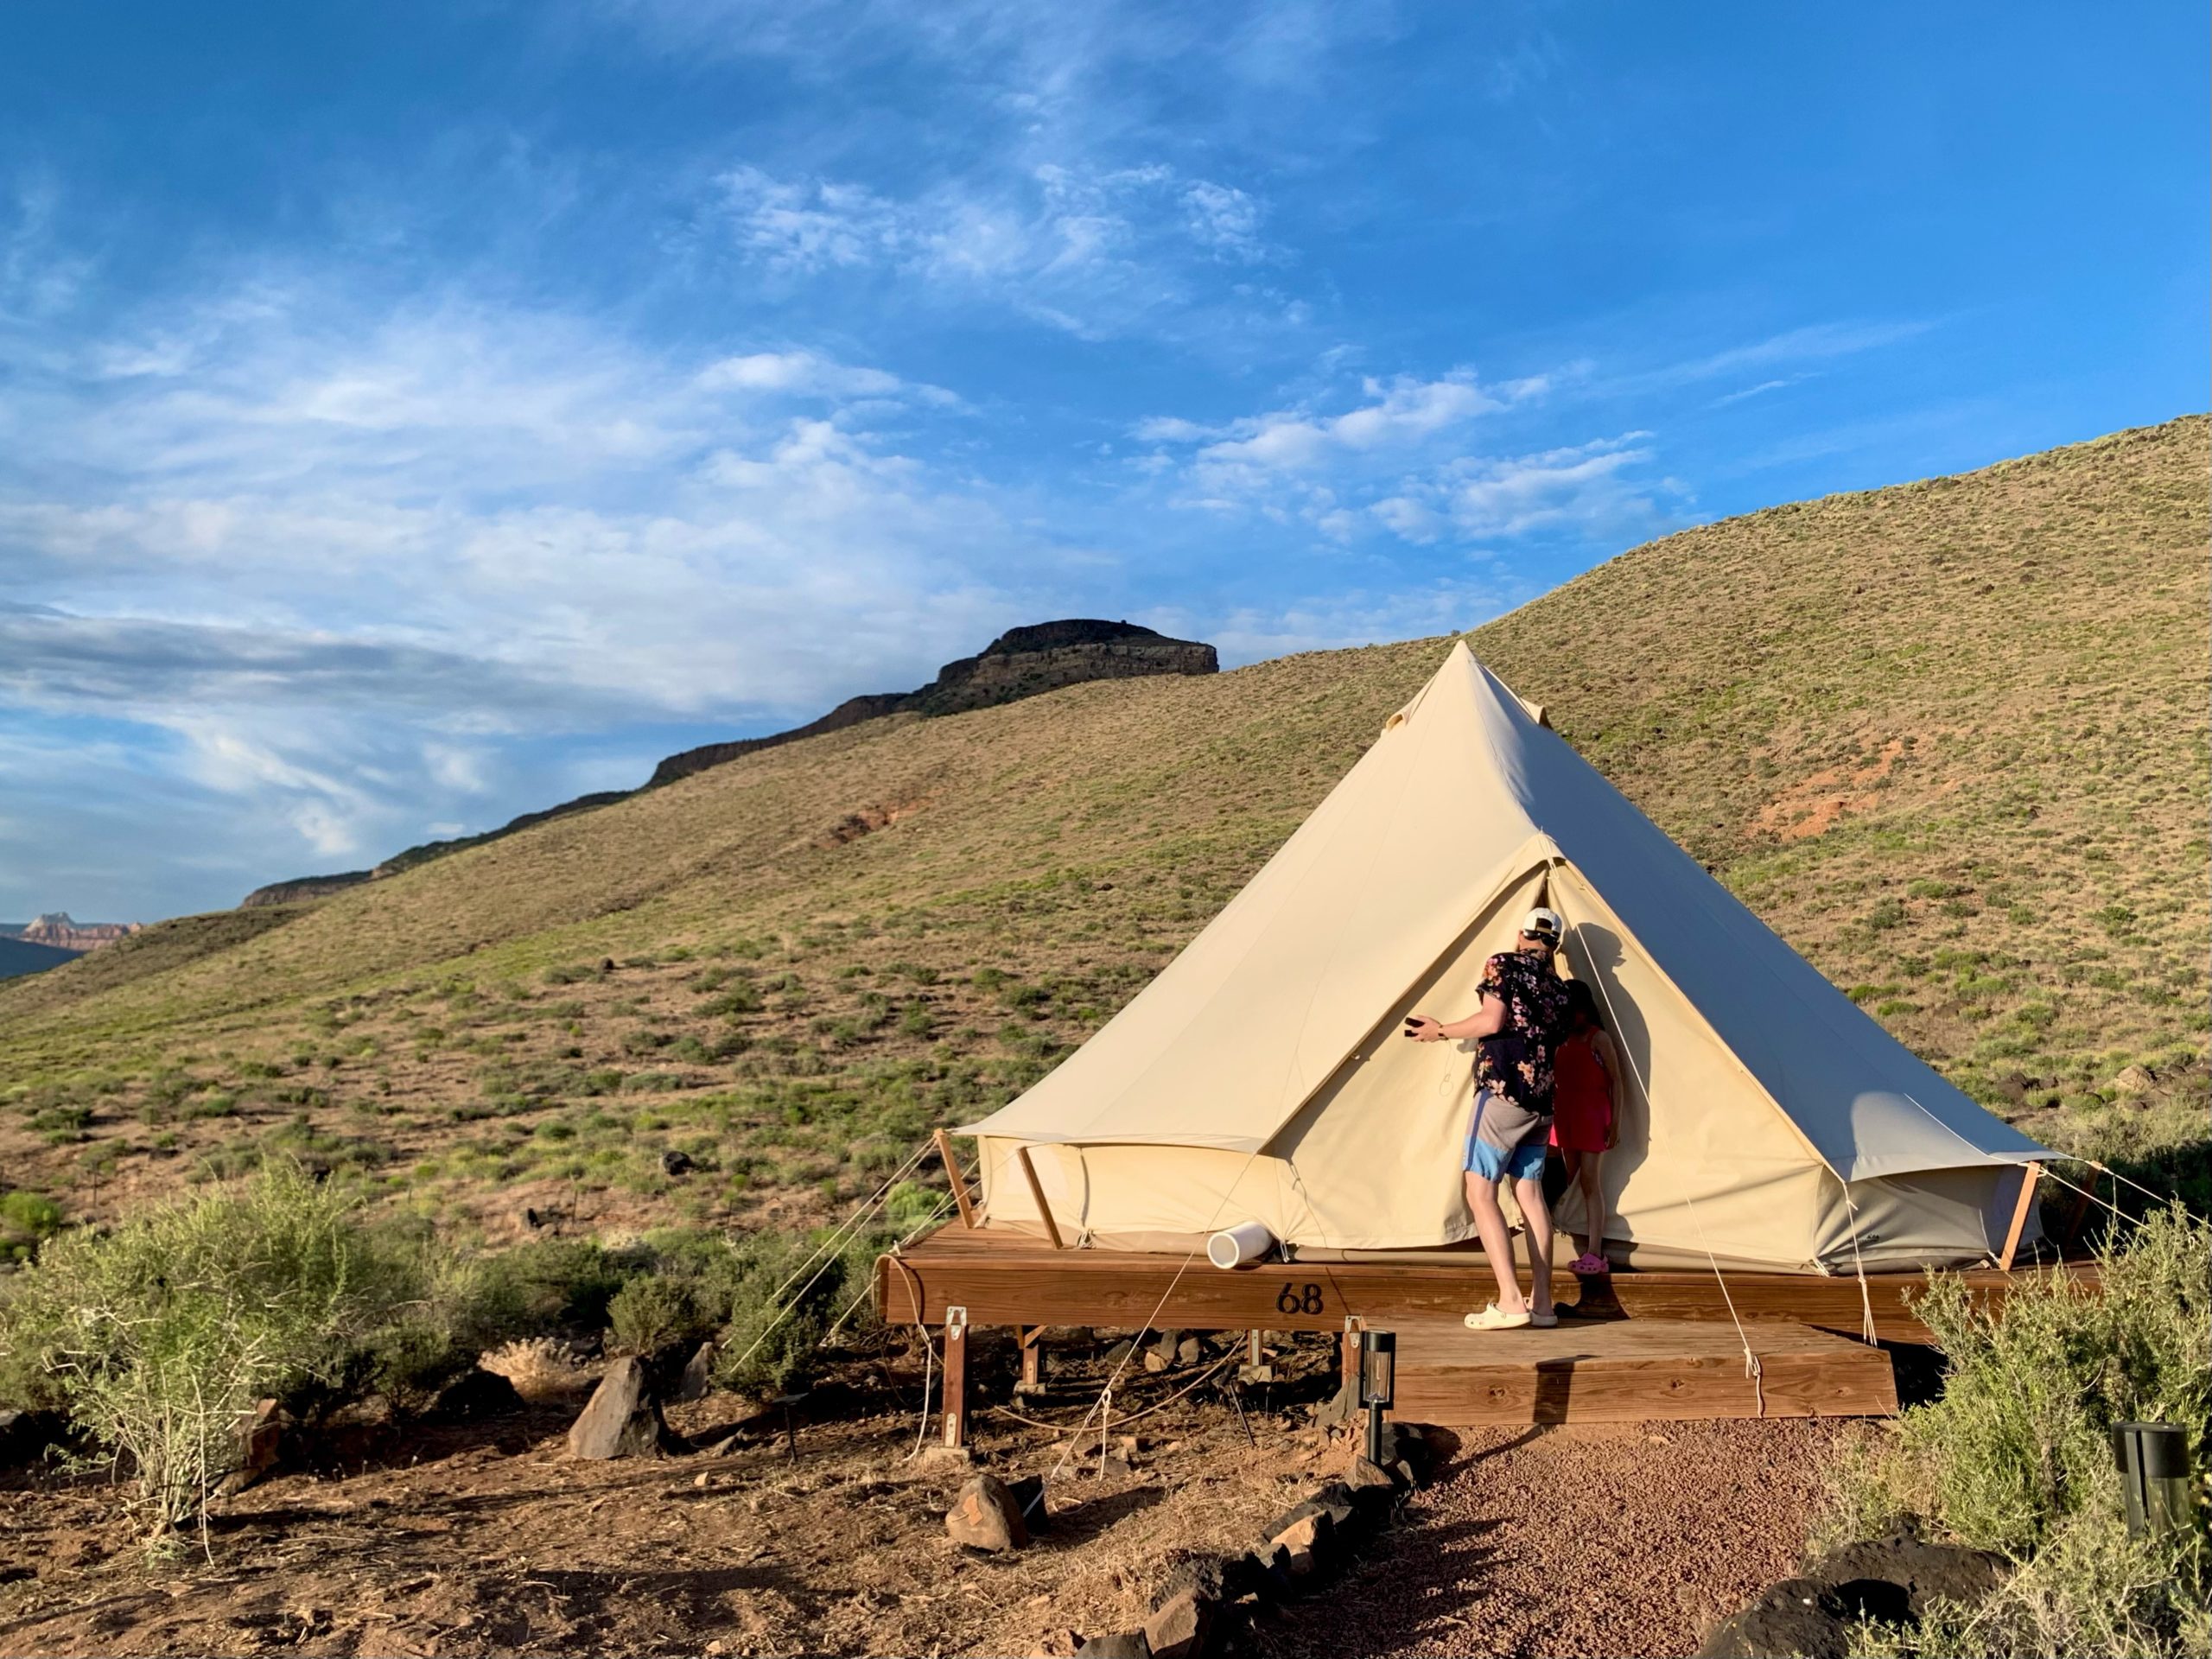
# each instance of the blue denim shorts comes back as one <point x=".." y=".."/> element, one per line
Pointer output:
<point x="1523" y="1162"/>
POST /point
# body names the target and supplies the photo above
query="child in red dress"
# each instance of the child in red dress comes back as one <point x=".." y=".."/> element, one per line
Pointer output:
<point x="1586" y="1105"/>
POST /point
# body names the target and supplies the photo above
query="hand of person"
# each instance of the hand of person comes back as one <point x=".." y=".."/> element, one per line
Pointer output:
<point x="1612" y="1136"/>
<point x="1422" y="1029"/>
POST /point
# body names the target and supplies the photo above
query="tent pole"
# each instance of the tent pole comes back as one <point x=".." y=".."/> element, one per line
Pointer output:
<point x="1037" y="1192"/>
<point x="2032" y="1175"/>
<point x="959" y="1181"/>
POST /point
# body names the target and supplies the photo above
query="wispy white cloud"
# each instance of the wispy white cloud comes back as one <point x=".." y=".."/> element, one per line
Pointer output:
<point x="1813" y="343"/>
<point x="339" y="556"/>
<point x="1403" y="460"/>
<point x="1091" y="249"/>
<point x="39" y="277"/>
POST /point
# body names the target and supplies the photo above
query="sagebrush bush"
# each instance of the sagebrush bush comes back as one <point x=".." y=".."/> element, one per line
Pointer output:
<point x="2017" y="1455"/>
<point x="156" y="1339"/>
<point x="655" y="1310"/>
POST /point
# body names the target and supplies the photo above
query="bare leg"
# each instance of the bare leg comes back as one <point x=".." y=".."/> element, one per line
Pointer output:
<point x="1588" y="1177"/>
<point x="1497" y="1242"/>
<point x="1538" y="1215"/>
<point x="1573" y="1160"/>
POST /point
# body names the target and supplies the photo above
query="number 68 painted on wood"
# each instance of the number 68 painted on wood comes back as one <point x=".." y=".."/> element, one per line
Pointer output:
<point x="1296" y="1298"/>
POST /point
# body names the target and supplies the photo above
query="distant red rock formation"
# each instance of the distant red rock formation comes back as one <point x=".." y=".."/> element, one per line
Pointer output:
<point x="64" y="932"/>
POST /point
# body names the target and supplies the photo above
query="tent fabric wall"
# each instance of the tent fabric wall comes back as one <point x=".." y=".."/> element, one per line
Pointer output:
<point x="1261" y="1075"/>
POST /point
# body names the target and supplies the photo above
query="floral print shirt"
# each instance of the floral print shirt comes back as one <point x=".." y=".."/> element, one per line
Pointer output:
<point x="1516" y="1063"/>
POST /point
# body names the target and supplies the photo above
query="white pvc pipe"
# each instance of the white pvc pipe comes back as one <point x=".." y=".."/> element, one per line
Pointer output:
<point x="1246" y="1242"/>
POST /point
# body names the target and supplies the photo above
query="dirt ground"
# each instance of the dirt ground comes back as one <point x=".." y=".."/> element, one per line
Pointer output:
<point x="486" y="1538"/>
<point x="1621" y="1540"/>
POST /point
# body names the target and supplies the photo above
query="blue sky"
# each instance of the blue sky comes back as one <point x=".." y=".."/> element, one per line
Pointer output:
<point x="413" y="415"/>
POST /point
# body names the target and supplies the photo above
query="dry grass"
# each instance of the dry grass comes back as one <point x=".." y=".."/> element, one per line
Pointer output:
<point x="1950" y="738"/>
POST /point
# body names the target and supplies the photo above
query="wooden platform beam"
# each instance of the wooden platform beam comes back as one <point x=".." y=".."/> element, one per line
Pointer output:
<point x="1635" y="1370"/>
<point x="1011" y="1281"/>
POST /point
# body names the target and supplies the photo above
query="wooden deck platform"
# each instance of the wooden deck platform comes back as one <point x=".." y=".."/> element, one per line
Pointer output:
<point x="1629" y="1370"/>
<point x="1632" y="1345"/>
<point x="1002" y="1278"/>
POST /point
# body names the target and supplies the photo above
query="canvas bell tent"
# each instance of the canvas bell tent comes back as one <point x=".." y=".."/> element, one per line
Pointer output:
<point x="1261" y="1076"/>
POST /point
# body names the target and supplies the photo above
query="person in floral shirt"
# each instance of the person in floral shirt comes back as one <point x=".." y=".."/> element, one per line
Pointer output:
<point x="1518" y="1027"/>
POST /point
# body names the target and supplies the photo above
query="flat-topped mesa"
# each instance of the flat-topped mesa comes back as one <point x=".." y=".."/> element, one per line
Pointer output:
<point x="1020" y="662"/>
<point x="304" y="888"/>
<point x="63" y="931"/>
<point x="1024" y="662"/>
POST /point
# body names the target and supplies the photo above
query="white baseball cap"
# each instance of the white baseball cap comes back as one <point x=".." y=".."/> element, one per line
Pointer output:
<point x="1543" y="924"/>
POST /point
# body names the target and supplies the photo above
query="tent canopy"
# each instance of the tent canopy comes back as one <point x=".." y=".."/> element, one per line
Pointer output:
<point x="1271" y="1035"/>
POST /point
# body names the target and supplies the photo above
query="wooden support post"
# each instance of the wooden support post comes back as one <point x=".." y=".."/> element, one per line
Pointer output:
<point x="1033" y="1355"/>
<point x="956" y="1376"/>
<point x="1255" y="1351"/>
<point x="959" y="1181"/>
<point x="1037" y="1192"/>
<point x="2030" y="1177"/>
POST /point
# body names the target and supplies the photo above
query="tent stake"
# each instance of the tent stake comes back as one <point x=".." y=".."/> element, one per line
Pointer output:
<point x="959" y="1181"/>
<point x="1037" y="1192"/>
<point x="2029" y="1179"/>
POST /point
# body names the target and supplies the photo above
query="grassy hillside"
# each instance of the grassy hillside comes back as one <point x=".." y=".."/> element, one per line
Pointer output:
<point x="1950" y="738"/>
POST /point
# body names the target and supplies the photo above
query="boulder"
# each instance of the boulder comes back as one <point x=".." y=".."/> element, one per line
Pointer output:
<point x="698" y="1378"/>
<point x="1263" y="1574"/>
<point x="474" y="1394"/>
<point x="1786" y="1617"/>
<point x="260" y="1439"/>
<point x="1209" y="1577"/>
<point x="1364" y="1477"/>
<point x="1917" y="1570"/>
<point x="984" y="1516"/>
<point x="1179" y="1626"/>
<point x="622" y="1418"/>
<point x="26" y="1435"/>
<point x="1168" y="1346"/>
<point x="1189" y="1351"/>
<point x="1028" y="1494"/>
<point x="1121" y="1645"/>
<point x="1891" y="1579"/>
<point x="1309" y="1540"/>
<point x="1334" y="1500"/>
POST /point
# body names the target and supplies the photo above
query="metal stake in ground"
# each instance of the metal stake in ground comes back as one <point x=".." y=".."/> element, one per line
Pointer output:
<point x="1378" y="1383"/>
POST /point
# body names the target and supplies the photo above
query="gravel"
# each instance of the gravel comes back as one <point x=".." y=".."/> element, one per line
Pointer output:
<point x="1619" y="1539"/>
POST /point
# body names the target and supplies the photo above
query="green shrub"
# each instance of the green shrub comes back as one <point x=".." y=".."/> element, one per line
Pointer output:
<point x="542" y="1285"/>
<point x="2016" y="1456"/>
<point x="654" y="1311"/>
<point x="26" y="1220"/>
<point x="157" y="1338"/>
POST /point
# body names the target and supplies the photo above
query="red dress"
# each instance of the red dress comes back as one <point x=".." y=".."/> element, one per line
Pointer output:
<point x="1582" y="1101"/>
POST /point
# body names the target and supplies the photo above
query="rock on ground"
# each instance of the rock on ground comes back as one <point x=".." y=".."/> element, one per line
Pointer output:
<point x="986" y="1516"/>
<point x="622" y="1419"/>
